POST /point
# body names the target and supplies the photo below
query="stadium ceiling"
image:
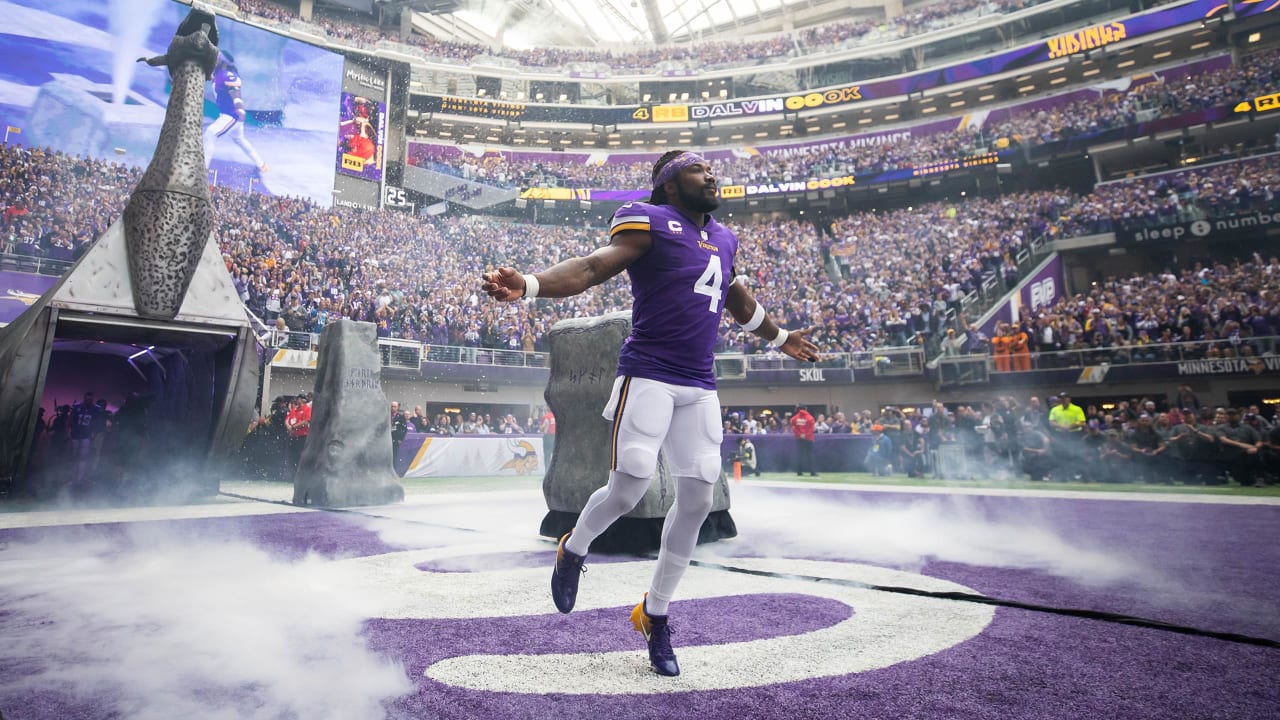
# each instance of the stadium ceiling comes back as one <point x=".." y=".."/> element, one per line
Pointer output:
<point x="606" y="23"/>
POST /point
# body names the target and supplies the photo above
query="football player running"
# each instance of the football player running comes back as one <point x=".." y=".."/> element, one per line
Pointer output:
<point x="680" y="262"/>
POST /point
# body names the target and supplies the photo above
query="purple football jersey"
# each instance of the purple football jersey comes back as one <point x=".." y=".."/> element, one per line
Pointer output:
<point x="226" y="88"/>
<point x="679" y="288"/>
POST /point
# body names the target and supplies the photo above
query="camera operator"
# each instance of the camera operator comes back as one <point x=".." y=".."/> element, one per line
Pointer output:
<point x="1269" y="453"/>
<point x="1239" y="445"/>
<point x="911" y="450"/>
<point x="1147" y="449"/>
<point x="1091" y="445"/>
<point x="1197" y="447"/>
<point x="746" y="455"/>
<point x="1115" y="457"/>
<point x="1037" y="460"/>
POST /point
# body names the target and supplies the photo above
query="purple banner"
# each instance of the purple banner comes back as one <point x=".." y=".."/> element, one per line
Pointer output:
<point x="1042" y="289"/>
<point x="1252" y="8"/>
<point x="362" y="132"/>
<point x="19" y="290"/>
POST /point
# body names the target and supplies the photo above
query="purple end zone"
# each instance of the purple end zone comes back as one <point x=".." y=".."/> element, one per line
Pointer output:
<point x="286" y="535"/>
<point x="1216" y="564"/>
<point x="1219" y="562"/>
<point x="1025" y="665"/>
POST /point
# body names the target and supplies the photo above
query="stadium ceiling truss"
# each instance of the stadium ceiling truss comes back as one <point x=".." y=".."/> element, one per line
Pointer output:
<point x="606" y="23"/>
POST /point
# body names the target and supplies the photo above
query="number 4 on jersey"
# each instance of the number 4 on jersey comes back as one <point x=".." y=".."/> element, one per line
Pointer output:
<point x="709" y="283"/>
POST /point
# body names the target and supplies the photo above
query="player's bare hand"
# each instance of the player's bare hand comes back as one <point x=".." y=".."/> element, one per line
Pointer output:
<point x="503" y="284"/>
<point x="799" y="347"/>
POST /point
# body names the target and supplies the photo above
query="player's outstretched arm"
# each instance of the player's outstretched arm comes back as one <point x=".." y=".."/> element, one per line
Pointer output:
<point x="571" y="276"/>
<point x="752" y="317"/>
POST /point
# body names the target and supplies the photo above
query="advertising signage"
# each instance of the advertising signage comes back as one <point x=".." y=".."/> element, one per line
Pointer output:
<point x="1248" y="226"/>
<point x="362" y="134"/>
<point x="1059" y="46"/>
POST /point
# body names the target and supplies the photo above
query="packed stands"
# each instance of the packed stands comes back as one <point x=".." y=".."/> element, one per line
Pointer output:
<point x="915" y="20"/>
<point x="1226" y="308"/>
<point x="1166" y="94"/>
<point x="877" y="282"/>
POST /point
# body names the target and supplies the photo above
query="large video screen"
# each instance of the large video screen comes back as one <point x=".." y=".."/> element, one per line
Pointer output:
<point x="362" y="130"/>
<point x="70" y="80"/>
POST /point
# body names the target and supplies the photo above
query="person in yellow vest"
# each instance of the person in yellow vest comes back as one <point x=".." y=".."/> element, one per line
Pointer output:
<point x="1066" y="422"/>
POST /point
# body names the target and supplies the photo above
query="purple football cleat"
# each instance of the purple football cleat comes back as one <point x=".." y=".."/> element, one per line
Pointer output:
<point x="657" y="633"/>
<point x="564" y="578"/>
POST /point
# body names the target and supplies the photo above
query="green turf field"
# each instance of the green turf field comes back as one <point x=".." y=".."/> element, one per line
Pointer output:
<point x="282" y="492"/>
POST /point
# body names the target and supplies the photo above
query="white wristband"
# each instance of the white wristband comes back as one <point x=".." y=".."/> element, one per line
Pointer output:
<point x="780" y="339"/>
<point x="757" y="319"/>
<point x="530" y="286"/>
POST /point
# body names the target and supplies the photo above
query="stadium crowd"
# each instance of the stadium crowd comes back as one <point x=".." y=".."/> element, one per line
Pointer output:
<point x="1229" y="308"/>
<point x="1049" y="120"/>
<point x="915" y="20"/>
<point x="1135" y="440"/>
<point x="298" y="266"/>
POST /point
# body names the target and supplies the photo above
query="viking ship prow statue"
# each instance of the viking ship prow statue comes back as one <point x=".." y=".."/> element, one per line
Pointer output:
<point x="169" y="217"/>
<point x="152" y="279"/>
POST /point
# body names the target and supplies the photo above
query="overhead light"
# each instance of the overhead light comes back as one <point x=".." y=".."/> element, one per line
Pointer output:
<point x="1125" y="64"/>
<point x="928" y="110"/>
<point x="713" y="138"/>
<point x="894" y="116"/>
<point x="762" y="134"/>
<point x="1199" y="45"/>
<point x="984" y="98"/>
<point x="1026" y="88"/>
<point x="867" y="121"/>
<point x="960" y="103"/>
<point x="1058" y="81"/>
<point x="1089" y="73"/>
<point x="736" y="137"/>
<point x="1161" y="55"/>
<point x="837" y="126"/>
<point x="1255" y="37"/>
